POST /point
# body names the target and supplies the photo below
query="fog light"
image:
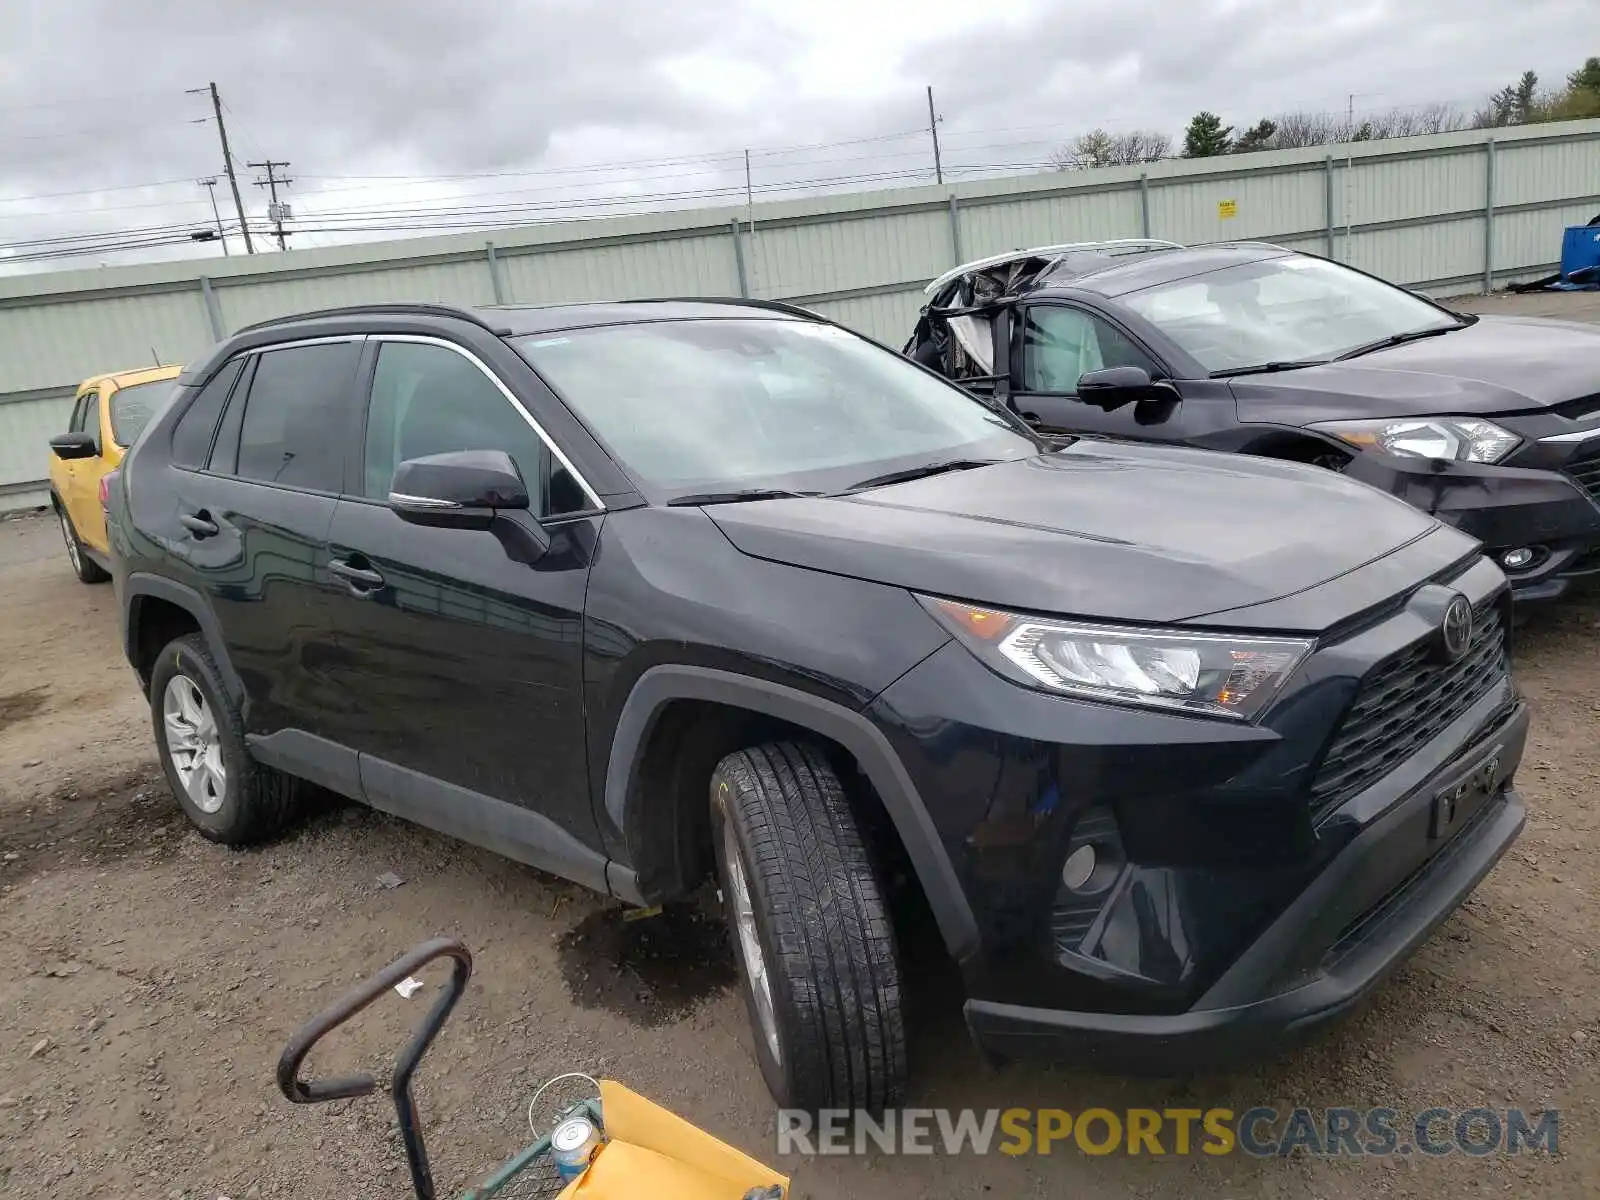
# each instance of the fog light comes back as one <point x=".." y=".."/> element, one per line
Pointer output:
<point x="1515" y="560"/>
<point x="1079" y="868"/>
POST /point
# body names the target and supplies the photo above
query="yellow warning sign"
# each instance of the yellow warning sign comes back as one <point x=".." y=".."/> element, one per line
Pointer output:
<point x="1227" y="209"/>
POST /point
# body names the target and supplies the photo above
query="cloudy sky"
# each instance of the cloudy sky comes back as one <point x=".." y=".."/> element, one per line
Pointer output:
<point x="400" y="116"/>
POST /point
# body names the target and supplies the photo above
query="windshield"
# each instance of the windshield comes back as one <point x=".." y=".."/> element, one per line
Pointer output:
<point x="132" y="407"/>
<point x="700" y="405"/>
<point x="1287" y="309"/>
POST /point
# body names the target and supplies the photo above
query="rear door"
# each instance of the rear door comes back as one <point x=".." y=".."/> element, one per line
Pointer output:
<point x="252" y="522"/>
<point x="466" y="663"/>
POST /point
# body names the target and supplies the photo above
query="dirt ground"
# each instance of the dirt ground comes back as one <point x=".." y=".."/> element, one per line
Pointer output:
<point x="148" y="980"/>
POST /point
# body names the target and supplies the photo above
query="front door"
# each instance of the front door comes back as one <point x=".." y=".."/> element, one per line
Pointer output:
<point x="1060" y="344"/>
<point x="464" y="663"/>
<point x="70" y="472"/>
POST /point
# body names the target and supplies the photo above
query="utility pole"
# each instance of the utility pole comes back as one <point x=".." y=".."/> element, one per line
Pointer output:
<point x="1349" y="177"/>
<point x="749" y="195"/>
<point x="271" y="182"/>
<point x="227" y="161"/>
<point x="933" y="128"/>
<point x="211" y="187"/>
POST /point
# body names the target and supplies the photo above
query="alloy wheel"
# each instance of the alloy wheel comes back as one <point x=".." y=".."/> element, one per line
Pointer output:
<point x="755" y="960"/>
<point x="194" y="743"/>
<point x="73" y="554"/>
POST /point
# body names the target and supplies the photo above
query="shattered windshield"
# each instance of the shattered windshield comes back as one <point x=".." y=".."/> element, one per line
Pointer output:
<point x="1290" y="309"/>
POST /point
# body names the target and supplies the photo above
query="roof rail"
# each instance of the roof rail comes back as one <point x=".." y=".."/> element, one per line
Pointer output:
<point x="783" y="306"/>
<point x="398" y="308"/>
<point x="1050" y="252"/>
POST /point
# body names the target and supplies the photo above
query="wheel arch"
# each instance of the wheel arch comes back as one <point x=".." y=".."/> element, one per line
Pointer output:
<point x="662" y="687"/>
<point x="156" y="610"/>
<point x="1295" y="445"/>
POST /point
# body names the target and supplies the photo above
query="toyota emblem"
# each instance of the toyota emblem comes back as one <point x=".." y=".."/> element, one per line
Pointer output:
<point x="1455" y="631"/>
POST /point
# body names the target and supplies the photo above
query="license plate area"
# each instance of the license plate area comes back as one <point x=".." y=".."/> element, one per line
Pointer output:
<point x="1454" y="804"/>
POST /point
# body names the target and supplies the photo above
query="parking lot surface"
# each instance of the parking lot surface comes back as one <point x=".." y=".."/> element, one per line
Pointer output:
<point x="149" y="978"/>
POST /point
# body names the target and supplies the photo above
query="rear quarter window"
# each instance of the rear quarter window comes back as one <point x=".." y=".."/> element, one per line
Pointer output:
<point x="133" y="407"/>
<point x="191" y="439"/>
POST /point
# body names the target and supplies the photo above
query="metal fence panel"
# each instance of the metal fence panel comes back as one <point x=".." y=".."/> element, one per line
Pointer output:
<point x="676" y="266"/>
<point x="52" y="345"/>
<point x="1416" y="211"/>
<point x="260" y="299"/>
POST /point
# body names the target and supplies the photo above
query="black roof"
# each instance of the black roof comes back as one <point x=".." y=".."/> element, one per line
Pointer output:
<point x="514" y="320"/>
<point x="499" y="320"/>
<point x="1115" y="272"/>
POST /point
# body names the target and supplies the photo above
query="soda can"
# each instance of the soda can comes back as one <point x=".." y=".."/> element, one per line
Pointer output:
<point x="572" y="1145"/>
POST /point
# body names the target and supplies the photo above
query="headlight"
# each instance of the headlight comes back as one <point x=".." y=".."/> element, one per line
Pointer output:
<point x="1463" y="439"/>
<point x="1216" y="674"/>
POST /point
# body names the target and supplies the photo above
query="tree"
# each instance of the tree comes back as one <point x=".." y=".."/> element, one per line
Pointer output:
<point x="1526" y="96"/>
<point x="1097" y="148"/>
<point x="1586" y="78"/>
<point x="1207" y="136"/>
<point x="1258" y="137"/>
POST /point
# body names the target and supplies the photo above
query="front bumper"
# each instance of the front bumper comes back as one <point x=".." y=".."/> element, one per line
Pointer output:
<point x="1255" y="880"/>
<point x="1537" y="499"/>
<point x="1257" y="1003"/>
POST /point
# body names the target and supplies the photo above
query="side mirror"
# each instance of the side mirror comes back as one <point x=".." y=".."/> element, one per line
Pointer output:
<point x="1112" y="387"/>
<point x="460" y="490"/>
<point x="74" y="445"/>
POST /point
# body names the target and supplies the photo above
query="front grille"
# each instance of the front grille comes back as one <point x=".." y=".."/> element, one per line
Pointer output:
<point x="1402" y="704"/>
<point x="1586" y="474"/>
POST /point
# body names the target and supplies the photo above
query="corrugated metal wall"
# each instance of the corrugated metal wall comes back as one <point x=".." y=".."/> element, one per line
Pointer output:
<point x="1419" y="212"/>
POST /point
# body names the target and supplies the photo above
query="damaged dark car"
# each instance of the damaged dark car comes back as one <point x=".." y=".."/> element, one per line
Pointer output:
<point x="1492" y="424"/>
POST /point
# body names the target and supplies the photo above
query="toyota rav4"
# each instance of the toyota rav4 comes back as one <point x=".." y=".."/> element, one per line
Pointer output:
<point x="1183" y="750"/>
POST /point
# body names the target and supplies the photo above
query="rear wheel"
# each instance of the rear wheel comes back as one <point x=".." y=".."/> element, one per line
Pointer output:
<point x="84" y="567"/>
<point x="811" y="930"/>
<point x="226" y="794"/>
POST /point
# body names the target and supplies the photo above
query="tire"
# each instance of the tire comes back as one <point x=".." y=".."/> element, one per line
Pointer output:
<point x="227" y="795"/>
<point x="828" y="1027"/>
<point x="84" y="567"/>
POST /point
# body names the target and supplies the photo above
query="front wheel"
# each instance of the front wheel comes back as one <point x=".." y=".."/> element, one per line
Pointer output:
<point x="811" y="931"/>
<point x="84" y="567"/>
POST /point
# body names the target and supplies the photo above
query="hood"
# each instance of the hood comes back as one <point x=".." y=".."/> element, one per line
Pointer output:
<point x="1105" y="530"/>
<point x="1495" y="365"/>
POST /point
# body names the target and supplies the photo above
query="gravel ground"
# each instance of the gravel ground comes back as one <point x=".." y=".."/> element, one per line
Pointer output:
<point x="148" y="980"/>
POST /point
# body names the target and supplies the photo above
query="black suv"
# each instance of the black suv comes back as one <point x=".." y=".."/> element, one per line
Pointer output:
<point x="1490" y="423"/>
<point x="1183" y="750"/>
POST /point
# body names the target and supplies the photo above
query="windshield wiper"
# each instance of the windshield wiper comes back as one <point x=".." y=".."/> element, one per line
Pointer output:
<point x="698" y="498"/>
<point x="922" y="472"/>
<point x="1399" y="339"/>
<point x="1281" y="364"/>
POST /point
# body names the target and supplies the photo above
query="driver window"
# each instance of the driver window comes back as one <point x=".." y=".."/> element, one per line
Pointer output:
<point x="1061" y="344"/>
<point x="430" y="400"/>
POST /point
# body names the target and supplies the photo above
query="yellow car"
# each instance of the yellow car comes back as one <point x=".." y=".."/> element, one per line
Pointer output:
<point x="107" y="415"/>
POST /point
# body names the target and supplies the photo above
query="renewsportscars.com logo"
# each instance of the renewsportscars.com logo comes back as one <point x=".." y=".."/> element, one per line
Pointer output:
<point x="1259" y="1132"/>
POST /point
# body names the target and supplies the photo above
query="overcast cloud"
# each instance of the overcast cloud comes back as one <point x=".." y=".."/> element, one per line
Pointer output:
<point x="357" y="92"/>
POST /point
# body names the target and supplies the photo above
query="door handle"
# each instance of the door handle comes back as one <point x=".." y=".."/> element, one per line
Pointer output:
<point x="360" y="580"/>
<point x="199" y="523"/>
<point x="1031" y="419"/>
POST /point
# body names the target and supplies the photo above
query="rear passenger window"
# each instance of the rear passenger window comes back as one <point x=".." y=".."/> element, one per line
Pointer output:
<point x="191" y="438"/>
<point x="293" y="431"/>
